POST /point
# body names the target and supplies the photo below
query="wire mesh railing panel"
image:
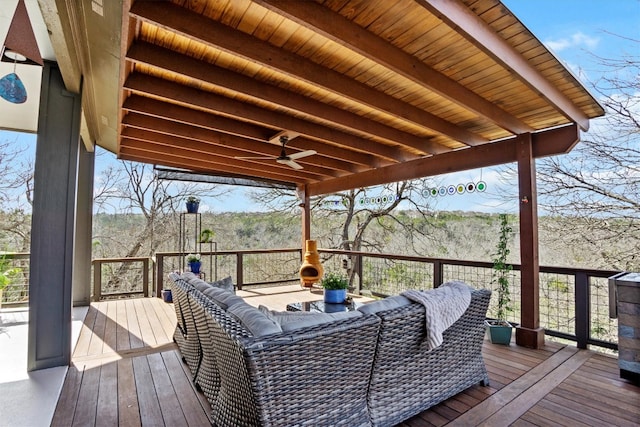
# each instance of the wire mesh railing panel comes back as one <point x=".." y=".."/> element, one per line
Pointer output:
<point x="120" y="278"/>
<point x="557" y="302"/>
<point x="16" y="266"/>
<point x="482" y="278"/>
<point x="387" y="276"/>
<point x="601" y="327"/>
<point x="270" y="267"/>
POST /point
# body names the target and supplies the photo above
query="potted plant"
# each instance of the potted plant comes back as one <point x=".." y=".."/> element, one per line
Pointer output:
<point x="194" y="263"/>
<point x="335" y="288"/>
<point x="206" y="235"/>
<point x="192" y="204"/>
<point x="500" y="330"/>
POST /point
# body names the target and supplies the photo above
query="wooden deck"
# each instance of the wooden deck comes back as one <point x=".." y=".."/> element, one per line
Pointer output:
<point x="126" y="371"/>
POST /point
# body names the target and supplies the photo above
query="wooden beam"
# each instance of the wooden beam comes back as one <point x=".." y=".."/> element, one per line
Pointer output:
<point x="151" y="153"/>
<point x="177" y="113"/>
<point x="546" y="143"/>
<point x="164" y="59"/>
<point x="346" y="33"/>
<point x="216" y="35"/>
<point x="478" y="32"/>
<point x="173" y="92"/>
<point x="204" y="142"/>
<point x="529" y="333"/>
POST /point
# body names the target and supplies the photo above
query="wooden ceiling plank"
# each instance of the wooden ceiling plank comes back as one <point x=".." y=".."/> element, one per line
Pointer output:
<point x="137" y="130"/>
<point x="188" y="96"/>
<point x="345" y="32"/>
<point x="208" y="141"/>
<point x="203" y="119"/>
<point x="285" y="173"/>
<point x="546" y="143"/>
<point x="218" y="36"/>
<point x="474" y="29"/>
<point x="159" y="158"/>
<point x="165" y="59"/>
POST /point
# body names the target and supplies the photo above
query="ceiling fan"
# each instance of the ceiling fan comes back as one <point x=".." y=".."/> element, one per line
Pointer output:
<point x="284" y="158"/>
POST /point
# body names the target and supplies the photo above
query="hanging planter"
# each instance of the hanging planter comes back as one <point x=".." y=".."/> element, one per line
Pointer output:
<point x="193" y="203"/>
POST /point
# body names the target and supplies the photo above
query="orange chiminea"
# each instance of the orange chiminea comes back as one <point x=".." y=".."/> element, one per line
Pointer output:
<point x="311" y="270"/>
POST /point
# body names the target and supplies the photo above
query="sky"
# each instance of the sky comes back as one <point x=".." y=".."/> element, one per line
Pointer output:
<point x="574" y="30"/>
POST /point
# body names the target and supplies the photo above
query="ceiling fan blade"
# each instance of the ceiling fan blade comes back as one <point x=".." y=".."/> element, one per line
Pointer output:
<point x="290" y="163"/>
<point x="302" y="154"/>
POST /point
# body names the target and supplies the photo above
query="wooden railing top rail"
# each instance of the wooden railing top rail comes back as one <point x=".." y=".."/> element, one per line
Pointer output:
<point x="483" y="264"/>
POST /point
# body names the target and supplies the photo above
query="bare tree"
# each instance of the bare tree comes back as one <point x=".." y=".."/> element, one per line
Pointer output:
<point x="595" y="190"/>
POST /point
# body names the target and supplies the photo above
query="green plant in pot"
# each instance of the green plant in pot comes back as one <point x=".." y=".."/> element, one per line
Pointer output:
<point x="206" y="235"/>
<point x="335" y="288"/>
<point x="500" y="330"/>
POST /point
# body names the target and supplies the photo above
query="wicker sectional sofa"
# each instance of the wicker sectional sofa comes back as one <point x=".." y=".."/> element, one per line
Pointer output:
<point x="360" y="369"/>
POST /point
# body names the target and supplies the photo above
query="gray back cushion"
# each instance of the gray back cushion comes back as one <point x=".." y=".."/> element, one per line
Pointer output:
<point x="292" y="320"/>
<point x="253" y="320"/>
<point x="226" y="284"/>
<point x="386" y="304"/>
<point x="222" y="297"/>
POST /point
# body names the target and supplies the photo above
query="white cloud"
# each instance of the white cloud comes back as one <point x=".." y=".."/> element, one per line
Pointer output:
<point x="576" y="40"/>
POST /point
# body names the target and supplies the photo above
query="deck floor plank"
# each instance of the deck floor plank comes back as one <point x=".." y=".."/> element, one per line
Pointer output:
<point x="147" y="334"/>
<point x="86" y="332"/>
<point x="128" y="413"/>
<point x="85" y="414"/>
<point x="133" y="326"/>
<point x="194" y="409"/>
<point x="66" y="407"/>
<point x="110" y="329"/>
<point x="170" y="407"/>
<point x="106" y="416"/>
<point x="150" y="412"/>
<point x="122" y="331"/>
<point x="97" y="339"/>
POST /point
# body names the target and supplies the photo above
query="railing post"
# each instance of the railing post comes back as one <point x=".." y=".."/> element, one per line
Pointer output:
<point x="159" y="272"/>
<point x="239" y="270"/>
<point x="582" y="309"/>
<point x="97" y="280"/>
<point x="359" y="271"/>
<point x="145" y="277"/>
<point x="437" y="274"/>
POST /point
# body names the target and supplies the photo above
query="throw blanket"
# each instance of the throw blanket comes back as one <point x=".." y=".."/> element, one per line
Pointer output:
<point x="443" y="306"/>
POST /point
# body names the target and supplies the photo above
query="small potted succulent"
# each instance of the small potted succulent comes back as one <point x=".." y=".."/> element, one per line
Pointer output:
<point x="194" y="263"/>
<point x="335" y="288"/>
<point x="192" y="204"/>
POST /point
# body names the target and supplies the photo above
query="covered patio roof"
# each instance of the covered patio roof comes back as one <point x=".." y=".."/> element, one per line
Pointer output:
<point x="381" y="91"/>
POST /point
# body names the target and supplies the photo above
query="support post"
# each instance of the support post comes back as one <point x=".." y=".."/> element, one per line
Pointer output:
<point x="53" y="223"/>
<point x="528" y="334"/>
<point x="84" y="228"/>
<point x="305" y="205"/>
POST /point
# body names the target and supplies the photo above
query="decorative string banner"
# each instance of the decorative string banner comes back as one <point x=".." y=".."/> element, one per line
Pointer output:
<point x="452" y="190"/>
<point x="383" y="199"/>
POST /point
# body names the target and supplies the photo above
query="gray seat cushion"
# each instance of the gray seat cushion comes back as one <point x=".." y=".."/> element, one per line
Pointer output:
<point x="292" y="320"/>
<point x="253" y="320"/>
